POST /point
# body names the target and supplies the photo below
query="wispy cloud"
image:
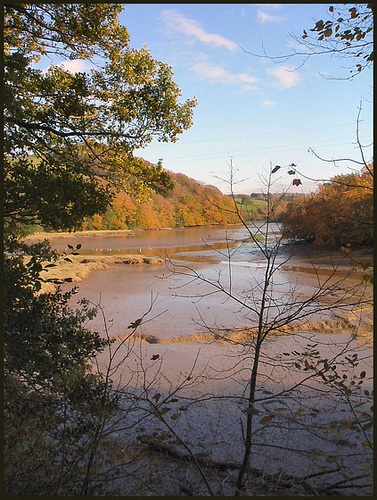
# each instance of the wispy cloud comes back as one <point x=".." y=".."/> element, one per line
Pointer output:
<point x="217" y="74"/>
<point x="273" y="6"/>
<point x="265" y="17"/>
<point x="268" y="18"/>
<point x="286" y="75"/>
<point x="175" y="21"/>
<point x="268" y="104"/>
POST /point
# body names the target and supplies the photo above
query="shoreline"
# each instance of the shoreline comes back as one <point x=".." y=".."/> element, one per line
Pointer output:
<point x="78" y="267"/>
<point x="115" y="232"/>
<point x="69" y="234"/>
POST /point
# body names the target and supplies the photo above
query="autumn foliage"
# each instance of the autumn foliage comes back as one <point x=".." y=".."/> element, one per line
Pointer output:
<point x="189" y="203"/>
<point x="338" y="213"/>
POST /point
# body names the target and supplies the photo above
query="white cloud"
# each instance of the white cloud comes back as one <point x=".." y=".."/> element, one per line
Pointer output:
<point x="268" y="104"/>
<point x="268" y="18"/>
<point x="286" y="75"/>
<point x="76" y="66"/>
<point x="218" y="74"/>
<point x="175" y="21"/>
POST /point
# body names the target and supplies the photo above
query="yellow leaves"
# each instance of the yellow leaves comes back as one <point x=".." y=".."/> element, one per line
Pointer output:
<point x="268" y="418"/>
<point x="339" y="213"/>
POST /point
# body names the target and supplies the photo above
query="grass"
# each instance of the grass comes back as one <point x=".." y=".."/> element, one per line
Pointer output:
<point x="79" y="267"/>
<point x="345" y="324"/>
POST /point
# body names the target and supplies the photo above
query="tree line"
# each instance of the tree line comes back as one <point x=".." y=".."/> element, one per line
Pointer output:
<point x="339" y="213"/>
<point x="187" y="203"/>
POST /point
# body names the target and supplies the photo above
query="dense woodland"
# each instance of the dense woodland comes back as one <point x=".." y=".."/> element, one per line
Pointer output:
<point x="188" y="203"/>
<point x="339" y="213"/>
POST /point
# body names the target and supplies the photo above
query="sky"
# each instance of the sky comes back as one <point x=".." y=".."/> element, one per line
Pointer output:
<point x="252" y="112"/>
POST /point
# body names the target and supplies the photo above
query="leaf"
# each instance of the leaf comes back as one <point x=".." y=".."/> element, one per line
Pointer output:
<point x="291" y="172"/>
<point x="346" y="425"/>
<point x="175" y="416"/>
<point x="331" y="9"/>
<point x="296" y="182"/>
<point x="298" y="412"/>
<point x="78" y="246"/>
<point x="275" y="169"/>
<point x="307" y="365"/>
<point x="265" y="420"/>
<point x="155" y="356"/>
<point x="136" y="323"/>
<point x="156" y="397"/>
<point x="362" y="374"/>
<point x="70" y="247"/>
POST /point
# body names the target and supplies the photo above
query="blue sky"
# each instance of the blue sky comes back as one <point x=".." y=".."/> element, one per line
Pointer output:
<point x="251" y="109"/>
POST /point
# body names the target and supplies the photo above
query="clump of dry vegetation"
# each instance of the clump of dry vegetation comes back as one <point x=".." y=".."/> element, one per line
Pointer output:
<point x="78" y="267"/>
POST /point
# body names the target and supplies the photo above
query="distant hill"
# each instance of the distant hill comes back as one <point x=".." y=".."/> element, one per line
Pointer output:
<point x="189" y="203"/>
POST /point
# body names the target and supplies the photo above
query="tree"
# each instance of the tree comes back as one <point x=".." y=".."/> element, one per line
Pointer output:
<point x="70" y="129"/>
<point x="347" y="34"/>
<point x="69" y="143"/>
<point x="272" y="310"/>
<point x="340" y="213"/>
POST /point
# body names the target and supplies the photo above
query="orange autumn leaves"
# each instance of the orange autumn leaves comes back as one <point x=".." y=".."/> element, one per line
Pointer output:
<point x="340" y="212"/>
<point x="189" y="203"/>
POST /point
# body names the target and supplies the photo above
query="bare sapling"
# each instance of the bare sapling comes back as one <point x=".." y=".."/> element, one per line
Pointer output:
<point x="270" y="310"/>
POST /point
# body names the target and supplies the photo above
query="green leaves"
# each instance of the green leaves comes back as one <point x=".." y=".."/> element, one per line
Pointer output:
<point x="82" y="128"/>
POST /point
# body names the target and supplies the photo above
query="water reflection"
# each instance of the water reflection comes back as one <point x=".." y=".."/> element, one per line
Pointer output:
<point x="225" y="257"/>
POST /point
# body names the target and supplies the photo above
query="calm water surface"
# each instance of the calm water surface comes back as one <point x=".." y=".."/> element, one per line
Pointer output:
<point x="180" y="305"/>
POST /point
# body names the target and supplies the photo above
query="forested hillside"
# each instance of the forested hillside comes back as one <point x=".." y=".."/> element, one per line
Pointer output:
<point x="340" y="212"/>
<point x="189" y="203"/>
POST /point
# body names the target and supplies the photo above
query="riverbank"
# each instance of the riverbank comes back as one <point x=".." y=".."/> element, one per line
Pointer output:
<point x="199" y="387"/>
<point x="41" y="235"/>
<point x="78" y="267"/>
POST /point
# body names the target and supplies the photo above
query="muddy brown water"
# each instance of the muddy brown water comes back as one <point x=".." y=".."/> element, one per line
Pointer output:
<point x="190" y="293"/>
